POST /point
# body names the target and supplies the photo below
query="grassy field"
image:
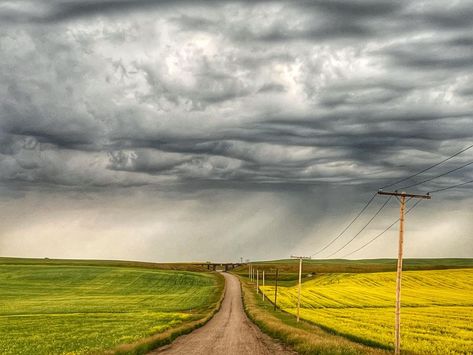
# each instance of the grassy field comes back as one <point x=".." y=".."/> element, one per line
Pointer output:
<point x="437" y="313"/>
<point x="288" y="269"/>
<point x="116" y="263"/>
<point x="76" y="309"/>
<point x="304" y="337"/>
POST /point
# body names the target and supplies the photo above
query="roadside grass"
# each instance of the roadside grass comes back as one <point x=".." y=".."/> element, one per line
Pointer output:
<point x="64" y="309"/>
<point x="303" y="337"/>
<point x="437" y="308"/>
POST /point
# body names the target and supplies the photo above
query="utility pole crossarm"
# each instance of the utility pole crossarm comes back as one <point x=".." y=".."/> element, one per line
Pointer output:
<point x="300" y="257"/>
<point x="395" y="193"/>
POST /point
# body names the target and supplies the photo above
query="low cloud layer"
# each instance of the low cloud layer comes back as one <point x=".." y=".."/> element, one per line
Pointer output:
<point x="261" y="98"/>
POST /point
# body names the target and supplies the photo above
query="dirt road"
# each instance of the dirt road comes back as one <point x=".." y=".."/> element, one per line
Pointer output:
<point x="228" y="332"/>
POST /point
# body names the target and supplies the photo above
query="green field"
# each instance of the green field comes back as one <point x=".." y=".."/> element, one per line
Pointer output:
<point x="437" y="308"/>
<point x="61" y="309"/>
<point x="118" y="263"/>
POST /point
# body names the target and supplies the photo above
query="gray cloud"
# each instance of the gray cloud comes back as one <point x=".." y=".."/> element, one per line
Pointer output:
<point x="270" y="98"/>
<point x="60" y="10"/>
<point x="455" y="54"/>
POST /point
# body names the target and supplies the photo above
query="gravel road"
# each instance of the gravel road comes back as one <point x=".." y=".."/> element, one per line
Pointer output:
<point x="228" y="332"/>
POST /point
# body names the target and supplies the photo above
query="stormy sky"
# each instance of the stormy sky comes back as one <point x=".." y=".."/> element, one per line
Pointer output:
<point x="214" y="130"/>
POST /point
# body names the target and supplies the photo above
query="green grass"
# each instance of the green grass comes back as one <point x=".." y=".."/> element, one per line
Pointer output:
<point x="61" y="309"/>
<point x="118" y="263"/>
<point x="437" y="308"/>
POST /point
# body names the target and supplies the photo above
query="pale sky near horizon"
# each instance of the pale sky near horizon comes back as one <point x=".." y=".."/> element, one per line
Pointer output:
<point x="214" y="130"/>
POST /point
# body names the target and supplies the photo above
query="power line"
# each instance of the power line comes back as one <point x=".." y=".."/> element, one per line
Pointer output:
<point x="427" y="169"/>
<point x="380" y="234"/>
<point x="362" y="229"/>
<point x="405" y="187"/>
<point x="436" y="177"/>
<point x="451" y="187"/>
<point x="348" y="226"/>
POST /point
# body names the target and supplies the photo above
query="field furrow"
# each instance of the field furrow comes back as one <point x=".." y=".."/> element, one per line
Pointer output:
<point x="80" y="309"/>
<point x="437" y="308"/>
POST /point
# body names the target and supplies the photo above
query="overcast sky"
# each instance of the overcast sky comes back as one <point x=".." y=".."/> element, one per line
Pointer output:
<point x="167" y="130"/>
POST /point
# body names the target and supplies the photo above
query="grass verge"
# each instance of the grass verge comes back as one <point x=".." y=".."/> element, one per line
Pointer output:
<point x="145" y="345"/>
<point x="303" y="337"/>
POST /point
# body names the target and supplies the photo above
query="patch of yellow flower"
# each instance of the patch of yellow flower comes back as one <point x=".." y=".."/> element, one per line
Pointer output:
<point x="436" y="316"/>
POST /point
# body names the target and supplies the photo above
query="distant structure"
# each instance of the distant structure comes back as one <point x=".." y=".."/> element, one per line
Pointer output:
<point x="225" y="266"/>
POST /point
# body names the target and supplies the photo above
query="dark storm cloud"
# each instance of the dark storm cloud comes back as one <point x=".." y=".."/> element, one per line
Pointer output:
<point x="455" y="54"/>
<point x="361" y="9"/>
<point x="143" y="129"/>
<point x="218" y="93"/>
<point x="457" y="16"/>
<point x="56" y="11"/>
<point x="363" y="92"/>
<point x="60" y="10"/>
<point x="215" y="87"/>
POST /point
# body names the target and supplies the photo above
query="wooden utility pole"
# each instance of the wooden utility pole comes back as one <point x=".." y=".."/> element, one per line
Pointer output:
<point x="257" y="281"/>
<point x="249" y="271"/>
<point x="262" y="291"/>
<point x="276" y="290"/>
<point x="402" y="199"/>
<point x="300" y="282"/>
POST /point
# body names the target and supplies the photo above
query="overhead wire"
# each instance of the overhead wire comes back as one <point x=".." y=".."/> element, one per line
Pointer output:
<point x="408" y="210"/>
<point x="404" y="187"/>
<point x="428" y="168"/>
<point x="348" y="226"/>
<point x="362" y="229"/>
<point x="451" y="187"/>
<point x="384" y="231"/>
<point x="438" y="176"/>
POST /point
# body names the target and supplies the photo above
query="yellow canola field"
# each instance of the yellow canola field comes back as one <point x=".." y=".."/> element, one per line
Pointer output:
<point x="436" y="317"/>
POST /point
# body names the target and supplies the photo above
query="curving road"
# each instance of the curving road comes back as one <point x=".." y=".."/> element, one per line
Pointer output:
<point x="228" y="332"/>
